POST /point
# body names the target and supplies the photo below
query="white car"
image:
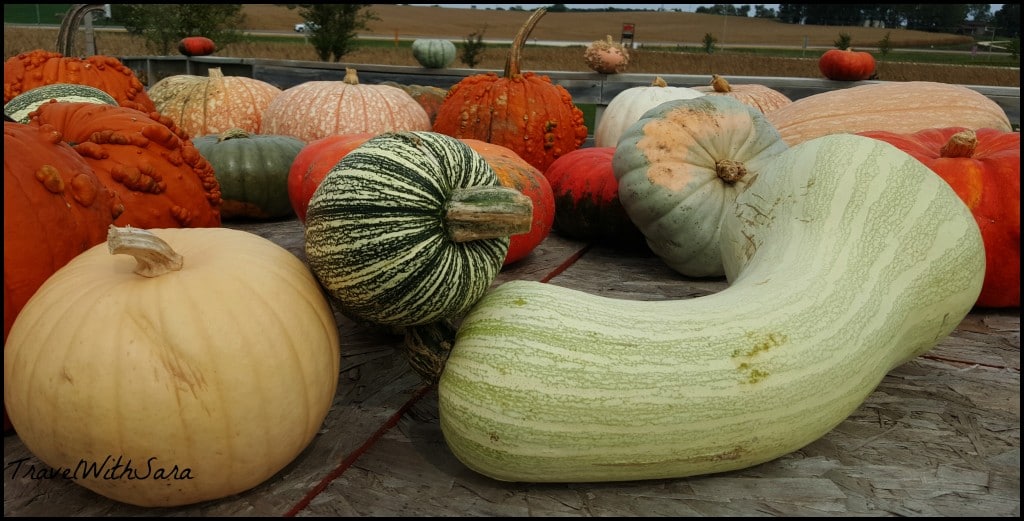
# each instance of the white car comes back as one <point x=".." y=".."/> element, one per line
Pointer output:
<point x="304" y="26"/>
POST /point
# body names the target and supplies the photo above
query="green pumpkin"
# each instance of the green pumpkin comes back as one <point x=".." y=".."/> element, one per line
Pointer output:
<point x="23" y="104"/>
<point x="411" y="228"/>
<point x="252" y="170"/>
<point x="433" y="53"/>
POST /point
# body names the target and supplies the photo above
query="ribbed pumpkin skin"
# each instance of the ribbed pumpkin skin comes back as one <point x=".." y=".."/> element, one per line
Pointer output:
<point x="226" y="367"/>
<point x="674" y="169"/>
<point x="433" y="53"/>
<point x="587" y="205"/>
<point x="429" y="97"/>
<point x="313" y="163"/>
<point x="375" y="233"/>
<point x="835" y="280"/>
<point x="902" y="107"/>
<point x="212" y="104"/>
<point x="987" y="179"/>
<point x="21" y="105"/>
<point x="160" y="177"/>
<point x="629" y="105"/>
<point x="33" y="69"/>
<point x="252" y="170"/>
<point x="514" y="172"/>
<point x="317" y="109"/>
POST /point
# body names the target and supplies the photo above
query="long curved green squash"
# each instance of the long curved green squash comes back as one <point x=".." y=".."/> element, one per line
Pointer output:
<point x="846" y="258"/>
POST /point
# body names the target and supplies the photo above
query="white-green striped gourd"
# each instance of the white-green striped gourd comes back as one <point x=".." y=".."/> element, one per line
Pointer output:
<point x="23" y="104"/>
<point x="411" y="228"/>
<point x="845" y="257"/>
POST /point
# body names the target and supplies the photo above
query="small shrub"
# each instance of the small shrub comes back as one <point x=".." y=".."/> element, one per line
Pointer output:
<point x="473" y="48"/>
<point x="843" y="42"/>
<point x="884" y="45"/>
<point x="709" y="43"/>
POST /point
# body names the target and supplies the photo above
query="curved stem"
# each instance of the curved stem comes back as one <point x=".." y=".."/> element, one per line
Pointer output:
<point x="153" y="256"/>
<point x="515" y="54"/>
<point x="487" y="212"/>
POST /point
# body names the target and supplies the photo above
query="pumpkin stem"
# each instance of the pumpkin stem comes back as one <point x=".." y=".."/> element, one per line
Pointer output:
<point x="153" y="256"/>
<point x="428" y="347"/>
<point x="487" y="212"/>
<point x="215" y="73"/>
<point x="351" y="77"/>
<point x="720" y="84"/>
<point x="515" y="54"/>
<point x="232" y="133"/>
<point x="730" y="170"/>
<point x="659" y="82"/>
<point x="961" y="144"/>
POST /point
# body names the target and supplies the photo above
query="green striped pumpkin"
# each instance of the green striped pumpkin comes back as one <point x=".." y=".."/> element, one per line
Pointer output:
<point x="23" y="104"/>
<point x="846" y="258"/>
<point x="411" y="228"/>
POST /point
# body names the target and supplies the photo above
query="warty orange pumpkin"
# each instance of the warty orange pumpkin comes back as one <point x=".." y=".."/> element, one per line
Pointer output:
<point x="524" y="112"/>
<point x="163" y="181"/>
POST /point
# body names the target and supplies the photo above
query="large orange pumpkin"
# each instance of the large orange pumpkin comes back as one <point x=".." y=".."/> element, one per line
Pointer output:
<point x="36" y="68"/>
<point x="317" y="109"/>
<point x="983" y="167"/>
<point x="313" y="163"/>
<point x="54" y="209"/>
<point x="521" y="111"/>
<point x="212" y="104"/>
<point x="514" y="172"/>
<point x="163" y="181"/>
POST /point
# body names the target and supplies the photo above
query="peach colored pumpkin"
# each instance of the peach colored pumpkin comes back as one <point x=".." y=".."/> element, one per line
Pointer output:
<point x="761" y="97"/>
<point x="903" y="107"/>
<point x="212" y="104"/>
<point x="316" y="109"/>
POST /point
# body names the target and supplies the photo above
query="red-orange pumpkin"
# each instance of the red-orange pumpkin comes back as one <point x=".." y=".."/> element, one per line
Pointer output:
<point x="32" y="69"/>
<point x="846" y="65"/>
<point x="163" y="181"/>
<point x="196" y="46"/>
<point x="312" y="164"/>
<point x="54" y="209"/>
<point x="514" y="172"/>
<point x="587" y="205"/>
<point x="521" y="111"/>
<point x="983" y="167"/>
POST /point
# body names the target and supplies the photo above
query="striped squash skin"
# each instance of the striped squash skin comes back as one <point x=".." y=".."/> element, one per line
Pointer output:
<point x="376" y="235"/>
<point x="845" y="258"/>
<point x="23" y="104"/>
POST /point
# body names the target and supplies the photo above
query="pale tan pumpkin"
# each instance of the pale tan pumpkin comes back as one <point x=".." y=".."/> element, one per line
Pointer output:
<point x="761" y="97"/>
<point x="212" y="104"/>
<point x="905" y="107"/>
<point x="317" y="109"/>
<point x="217" y="361"/>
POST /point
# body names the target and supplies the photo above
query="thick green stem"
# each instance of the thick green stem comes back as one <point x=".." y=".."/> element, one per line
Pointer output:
<point x="487" y="212"/>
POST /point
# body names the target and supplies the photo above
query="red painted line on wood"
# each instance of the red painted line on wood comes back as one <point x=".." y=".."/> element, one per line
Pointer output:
<point x="352" y="457"/>
<point x="393" y="420"/>
<point x="566" y="263"/>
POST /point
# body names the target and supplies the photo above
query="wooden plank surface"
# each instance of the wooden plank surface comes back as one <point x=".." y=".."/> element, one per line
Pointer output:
<point x="940" y="436"/>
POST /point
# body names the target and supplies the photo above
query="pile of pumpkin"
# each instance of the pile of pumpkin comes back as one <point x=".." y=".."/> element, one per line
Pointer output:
<point x="136" y="325"/>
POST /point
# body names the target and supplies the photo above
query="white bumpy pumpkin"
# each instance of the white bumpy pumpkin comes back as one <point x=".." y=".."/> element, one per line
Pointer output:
<point x="627" y="107"/>
<point x="202" y="374"/>
<point x="846" y="257"/>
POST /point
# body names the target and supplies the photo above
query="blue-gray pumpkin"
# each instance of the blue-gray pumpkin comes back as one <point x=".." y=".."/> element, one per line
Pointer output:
<point x="433" y="53"/>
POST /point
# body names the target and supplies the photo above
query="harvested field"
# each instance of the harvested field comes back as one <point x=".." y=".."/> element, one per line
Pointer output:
<point x="684" y="30"/>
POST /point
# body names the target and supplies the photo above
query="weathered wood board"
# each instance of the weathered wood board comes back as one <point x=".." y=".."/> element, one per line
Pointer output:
<point x="940" y="436"/>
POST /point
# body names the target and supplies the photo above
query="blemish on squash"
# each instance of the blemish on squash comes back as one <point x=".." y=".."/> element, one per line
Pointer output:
<point x="50" y="179"/>
<point x="520" y="302"/>
<point x="494" y="437"/>
<point x="772" y="340"/>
